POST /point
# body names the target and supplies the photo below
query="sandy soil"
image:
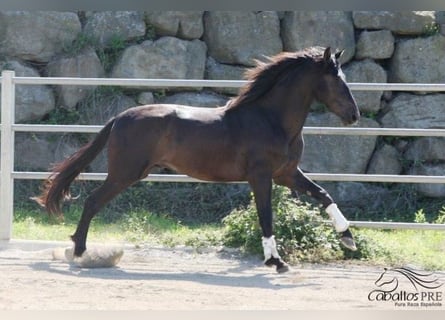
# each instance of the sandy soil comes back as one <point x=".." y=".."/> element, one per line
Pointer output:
<point x="178" y="279"/>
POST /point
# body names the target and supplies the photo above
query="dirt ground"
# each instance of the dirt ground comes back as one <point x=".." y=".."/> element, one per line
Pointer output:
<point x="159" y="278"/>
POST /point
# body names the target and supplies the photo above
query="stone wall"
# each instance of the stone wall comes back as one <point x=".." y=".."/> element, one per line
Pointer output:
<point x="380" y="47"/>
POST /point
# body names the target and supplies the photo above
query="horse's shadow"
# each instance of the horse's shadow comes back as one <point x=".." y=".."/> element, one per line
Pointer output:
<point x="237" y="276"/>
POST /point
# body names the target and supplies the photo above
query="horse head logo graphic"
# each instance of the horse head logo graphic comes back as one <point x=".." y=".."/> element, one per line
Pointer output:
<point x="390" y="279"/>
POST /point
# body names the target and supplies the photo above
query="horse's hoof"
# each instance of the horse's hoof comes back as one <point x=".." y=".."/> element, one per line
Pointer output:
<point x="348" y="240"/>
<point x="284" y="268"/>
<point x="78" y="252"/>
<point x="349" y="243"/>
<point x="271" y="262"/>
<point x="281" y="266"/>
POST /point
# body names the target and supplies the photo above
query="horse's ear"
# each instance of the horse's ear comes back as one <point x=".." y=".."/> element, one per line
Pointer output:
<point x="339" y="54"/>
<point x="327" y="54"/>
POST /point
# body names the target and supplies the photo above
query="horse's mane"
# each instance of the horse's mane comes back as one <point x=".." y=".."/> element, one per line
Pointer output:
<point x="422" y="279"/>
<point x="278" y="69"/>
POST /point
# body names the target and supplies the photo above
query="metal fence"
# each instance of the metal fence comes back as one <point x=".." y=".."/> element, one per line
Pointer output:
<point x="9" y="127"/>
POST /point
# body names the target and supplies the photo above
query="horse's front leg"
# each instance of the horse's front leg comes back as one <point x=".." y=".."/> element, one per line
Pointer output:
<point x="262" y="190"/>
<point x="299" y="182"/>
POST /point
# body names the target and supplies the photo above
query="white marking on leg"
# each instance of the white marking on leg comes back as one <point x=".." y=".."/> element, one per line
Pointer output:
<point x="270" y="248"/>
<point x="339" y="221"/>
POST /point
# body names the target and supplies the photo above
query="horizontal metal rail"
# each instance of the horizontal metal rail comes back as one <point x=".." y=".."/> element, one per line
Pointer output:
<point x="422" y="87"/>
<point x="339" y="177"/>
<point x="189" y="83"/>
<point x="99" y="176"/>
<point x="429" y="87"/>
<point x="306" y="130"/>
<point x="56" y="128"/>
<point x="397" y="225"/>
<point x="374" y="131"/>
<point x="345" y="177"/>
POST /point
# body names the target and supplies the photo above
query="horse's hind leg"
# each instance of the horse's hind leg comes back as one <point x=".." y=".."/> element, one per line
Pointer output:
<point x="299" y="182"/>
<point x="122" y="173"/>
<point x="93" y="204"/>
<point x="127" y="164"/>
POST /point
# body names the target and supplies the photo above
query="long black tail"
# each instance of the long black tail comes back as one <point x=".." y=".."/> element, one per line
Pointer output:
<point x="56" y="187"/>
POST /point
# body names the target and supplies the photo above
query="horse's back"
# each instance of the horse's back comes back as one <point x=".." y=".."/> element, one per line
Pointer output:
<point x="191" y="140"/>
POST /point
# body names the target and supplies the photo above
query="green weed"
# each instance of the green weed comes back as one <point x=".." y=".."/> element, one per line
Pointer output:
<point x="299" y="229"/>
<point x="431" y="29"/>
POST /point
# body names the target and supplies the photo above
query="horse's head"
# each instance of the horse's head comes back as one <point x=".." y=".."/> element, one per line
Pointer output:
<point x="386" y="278"/>
<point x="333" y="91"/>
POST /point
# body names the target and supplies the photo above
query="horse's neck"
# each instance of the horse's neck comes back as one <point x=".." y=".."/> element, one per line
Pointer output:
<point x="291" y="108"/>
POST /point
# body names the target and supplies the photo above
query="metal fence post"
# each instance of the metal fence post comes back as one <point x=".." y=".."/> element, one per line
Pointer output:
<point x="7" y="155"/>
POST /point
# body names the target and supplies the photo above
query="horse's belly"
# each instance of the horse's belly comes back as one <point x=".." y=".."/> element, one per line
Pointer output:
<point x="208" y="166"/>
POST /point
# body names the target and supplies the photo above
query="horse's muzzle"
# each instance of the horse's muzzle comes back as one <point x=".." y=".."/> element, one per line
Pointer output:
<point x="355" y="117"/>
<point x="351" y="118"/>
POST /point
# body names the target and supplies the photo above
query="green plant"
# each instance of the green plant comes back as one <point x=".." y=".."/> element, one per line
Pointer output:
<point x="140" y="225"/>
<point x="150" y="34"/>
<point x="108" y="55"/>
<point x="370" y="114"/>
<point x="159" y="94"/>
<point x="440" y="219"/>
<point x="299" y="230"/>
<point x="419" y="216"/>
<point x="80" y="43"/>
<point x="431" y="29"/>
<point x="5" y="65"/>
<point x="100" y="104"/>
<point x="61" y="116"/>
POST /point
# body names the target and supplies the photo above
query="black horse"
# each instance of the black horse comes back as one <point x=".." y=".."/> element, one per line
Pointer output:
<point x="256" y="138"/>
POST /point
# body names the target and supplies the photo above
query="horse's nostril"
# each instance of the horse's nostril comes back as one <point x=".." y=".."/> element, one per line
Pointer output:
<point x="354" y="117"/>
